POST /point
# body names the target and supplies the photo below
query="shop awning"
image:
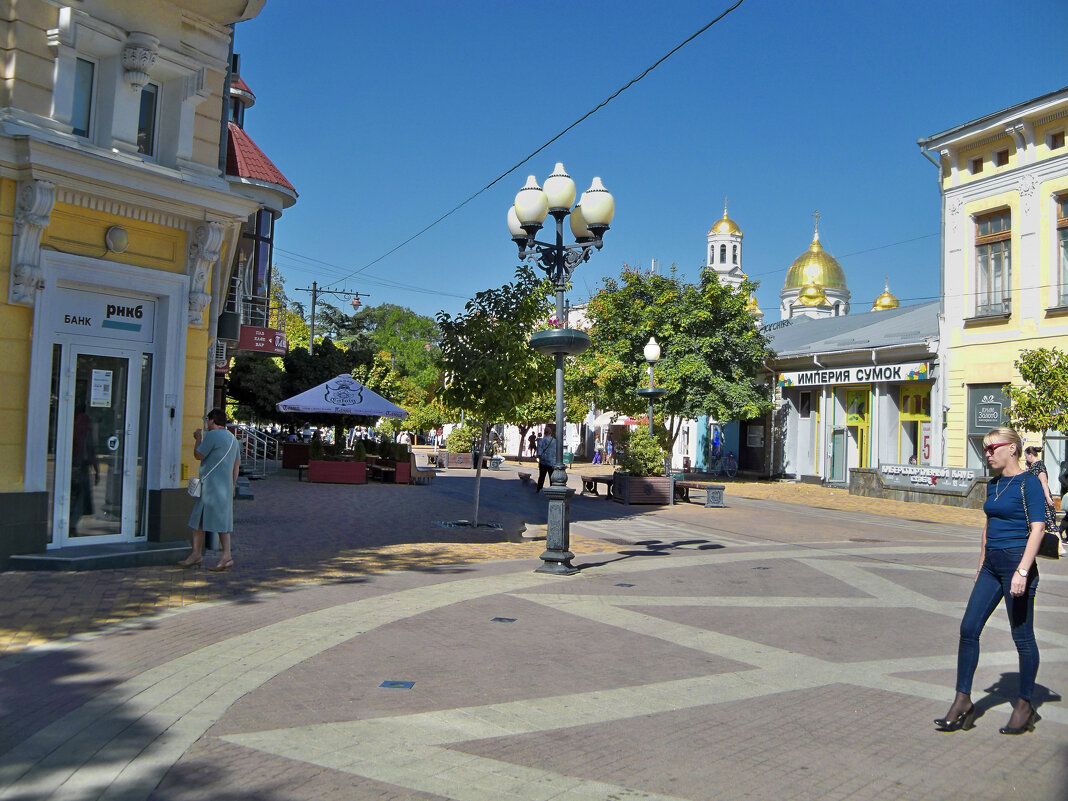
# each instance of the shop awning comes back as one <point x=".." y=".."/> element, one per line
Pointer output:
<point x="613" y="419"/>
<point x="342" y="395"/>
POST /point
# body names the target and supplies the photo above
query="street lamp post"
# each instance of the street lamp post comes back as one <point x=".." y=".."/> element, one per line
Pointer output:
<point x="652" y="393"/>
<point x="589" y="221"/>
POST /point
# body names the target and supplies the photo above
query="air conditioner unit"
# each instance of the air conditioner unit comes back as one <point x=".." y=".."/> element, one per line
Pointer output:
<point x="220" y="354"/>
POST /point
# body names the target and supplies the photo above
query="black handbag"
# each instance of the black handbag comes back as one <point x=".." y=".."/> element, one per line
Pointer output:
<point x="1050" y="547"/>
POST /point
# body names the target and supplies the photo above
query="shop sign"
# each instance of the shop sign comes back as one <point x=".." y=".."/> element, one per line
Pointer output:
<point x="987" y="405"/>
<point x="866" y="374"/>
<point x="103" y="314"/>
<point x="262" y="340"/>
<point x="954" y="480"/>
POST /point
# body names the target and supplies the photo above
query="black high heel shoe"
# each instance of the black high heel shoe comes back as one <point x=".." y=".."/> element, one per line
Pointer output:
<point x="963" y="721"/>
<point x="1029" y="724"/>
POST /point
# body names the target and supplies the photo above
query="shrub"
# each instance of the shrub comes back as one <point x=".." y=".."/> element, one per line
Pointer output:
<point x="639" y="454"/>
<point x="462" y="439"/>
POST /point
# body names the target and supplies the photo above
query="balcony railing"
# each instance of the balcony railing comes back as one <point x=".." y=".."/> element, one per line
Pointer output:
<point x="994" y="308"/>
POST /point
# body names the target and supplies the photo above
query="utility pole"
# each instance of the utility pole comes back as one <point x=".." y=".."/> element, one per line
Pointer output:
<point x="316" y="291"/>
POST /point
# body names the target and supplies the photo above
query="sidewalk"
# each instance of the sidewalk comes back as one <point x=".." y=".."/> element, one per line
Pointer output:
<point x="700" y="654"/>
<point x="355" y="531"/>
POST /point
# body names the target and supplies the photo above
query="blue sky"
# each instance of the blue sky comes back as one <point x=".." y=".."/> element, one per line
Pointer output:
<point x="387" y="115"/>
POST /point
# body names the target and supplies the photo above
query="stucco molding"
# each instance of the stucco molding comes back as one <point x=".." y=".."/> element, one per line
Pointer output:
<point x="138" y="58"/>
<point x="205" y="246"/>
<point x="72" y="197"/>
<point x="33" y="209"/>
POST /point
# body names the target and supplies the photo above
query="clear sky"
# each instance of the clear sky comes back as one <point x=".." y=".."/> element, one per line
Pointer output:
<point x="386" y="115"/>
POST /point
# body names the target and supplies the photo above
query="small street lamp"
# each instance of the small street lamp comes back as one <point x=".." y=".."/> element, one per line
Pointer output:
<point x="652" y="355"/>
<point x="589" y="222"/>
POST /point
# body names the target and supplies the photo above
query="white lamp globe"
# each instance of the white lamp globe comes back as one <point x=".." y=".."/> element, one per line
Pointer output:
<point x="598" y="206"/>
<point x="652" y="350"/>
<point x="531" y="205"/>
<point x="514" y="226"/>
<point x="579" y="229"/>
<point x="560" y="189"/>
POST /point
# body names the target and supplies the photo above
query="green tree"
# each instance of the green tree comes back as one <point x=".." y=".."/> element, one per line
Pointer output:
<point x="711" y="350"/>
<point x="410" y="339"/>
<point x="1041" y="404"/>
<point x="540" y="408"/>
<point x="490" y="369"/>
<point x="256" y="383"/>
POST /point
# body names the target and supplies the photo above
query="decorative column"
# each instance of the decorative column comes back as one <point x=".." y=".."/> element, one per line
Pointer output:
<point x="204" y="249"/>
<point x="138" y="58"/>
<point x="33" y="209"/>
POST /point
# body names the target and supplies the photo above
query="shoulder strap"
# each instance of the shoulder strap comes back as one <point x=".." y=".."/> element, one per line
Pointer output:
<point x="228" y="447"/>
<point x="1023" y="494"/>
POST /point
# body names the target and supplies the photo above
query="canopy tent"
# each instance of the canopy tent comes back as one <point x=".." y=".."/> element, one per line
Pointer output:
<point x="342" y="395"/>
<point x="610" y="419"/>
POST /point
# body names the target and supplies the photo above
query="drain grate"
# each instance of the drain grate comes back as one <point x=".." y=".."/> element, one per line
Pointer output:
<point x="624" y="584"/>
<point x="762" y="567"/>
<point x="467" y="524"/>
<point x="397" y="685"/>
<point x="503" y="620"/>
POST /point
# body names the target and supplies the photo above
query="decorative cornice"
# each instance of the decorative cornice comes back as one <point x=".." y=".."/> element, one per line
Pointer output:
<point x="33" y="208"/>
<point x="205" y="244"/>
<point x="138" y="58"/>
<point x="73" y="197"/>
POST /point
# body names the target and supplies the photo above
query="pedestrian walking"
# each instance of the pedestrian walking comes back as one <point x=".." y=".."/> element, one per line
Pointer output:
<point x="532" y="444"/>
<point x="609" y="451"/>
<point x="1062" y="477"/>
<point x="598" y="453"/>
<point x="546" y="455"/>
<point x="1015" y="525"/>
<point x="220" y="460"/>
<point x="1037" y="468"/>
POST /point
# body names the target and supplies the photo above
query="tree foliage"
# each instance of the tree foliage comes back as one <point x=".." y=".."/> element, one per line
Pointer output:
<point x="1041" y="404"/>
<point x="489" y="367"/>
<point x="711" y="349"/>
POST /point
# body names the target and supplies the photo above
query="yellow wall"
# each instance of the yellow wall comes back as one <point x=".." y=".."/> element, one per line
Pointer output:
<point x="15" y="322"/>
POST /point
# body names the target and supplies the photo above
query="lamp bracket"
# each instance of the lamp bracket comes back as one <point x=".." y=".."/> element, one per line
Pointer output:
<point x="556" y="261"/>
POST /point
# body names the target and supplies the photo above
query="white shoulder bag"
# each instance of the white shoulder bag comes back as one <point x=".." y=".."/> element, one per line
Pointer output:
<point x="195" y="483"/>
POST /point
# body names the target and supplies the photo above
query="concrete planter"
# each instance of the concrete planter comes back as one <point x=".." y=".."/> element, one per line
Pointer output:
<point x="337" y="472"/>
<point x="568" y="341"/>
<point x="654" y="490"/>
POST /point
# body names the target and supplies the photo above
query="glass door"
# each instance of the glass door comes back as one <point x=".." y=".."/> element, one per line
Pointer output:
<point x="97" y="449"/>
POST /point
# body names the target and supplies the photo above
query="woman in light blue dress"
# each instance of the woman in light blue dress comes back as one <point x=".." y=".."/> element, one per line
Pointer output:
<point x="220" y="459"/>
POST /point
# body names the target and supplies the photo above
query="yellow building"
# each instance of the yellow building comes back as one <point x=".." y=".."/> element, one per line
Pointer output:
<point x="120" y="224"/>
<point x="1004" y="184"/>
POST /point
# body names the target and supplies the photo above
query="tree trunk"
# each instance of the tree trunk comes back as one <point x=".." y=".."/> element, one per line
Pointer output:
<point x="478" y="472"/>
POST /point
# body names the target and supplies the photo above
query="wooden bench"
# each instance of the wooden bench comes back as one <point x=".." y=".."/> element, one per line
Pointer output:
<point x="589" y="484"/>
<point x="713" y="492"/>
<point x="421" y="475"/>
<point x="380" y="471"/>
<point x="524" y="477"/>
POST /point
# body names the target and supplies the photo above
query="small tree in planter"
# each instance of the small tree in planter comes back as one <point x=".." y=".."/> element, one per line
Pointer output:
<point x="641" y="478"/>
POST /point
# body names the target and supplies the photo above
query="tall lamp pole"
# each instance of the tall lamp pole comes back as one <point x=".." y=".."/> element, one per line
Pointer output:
<point x="652" y="393"/>
<point x="589" y="221"/>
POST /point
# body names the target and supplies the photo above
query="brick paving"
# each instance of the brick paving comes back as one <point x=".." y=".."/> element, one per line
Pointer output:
<point x="794" y="645"/>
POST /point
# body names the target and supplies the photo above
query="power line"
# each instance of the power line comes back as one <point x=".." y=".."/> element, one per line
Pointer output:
<point x="527" y="158"/>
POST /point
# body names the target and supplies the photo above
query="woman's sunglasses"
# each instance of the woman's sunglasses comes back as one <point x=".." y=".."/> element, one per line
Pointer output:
<point x="993" y="446"/>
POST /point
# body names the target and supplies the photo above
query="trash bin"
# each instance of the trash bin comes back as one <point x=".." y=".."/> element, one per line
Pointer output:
<point x="569" y="458"/>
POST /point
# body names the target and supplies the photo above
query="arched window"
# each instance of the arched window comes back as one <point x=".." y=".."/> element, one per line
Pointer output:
<point x="711" y="254"/>
<point x="722" y="254"/>
<point x="735" y="254"/>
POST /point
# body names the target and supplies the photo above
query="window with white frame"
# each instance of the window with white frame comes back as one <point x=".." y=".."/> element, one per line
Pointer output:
<point x="993" y="264"/>
<point x="1062" y="246"/>
<point x="146" y="120"/>
<point x="82" y="109"/>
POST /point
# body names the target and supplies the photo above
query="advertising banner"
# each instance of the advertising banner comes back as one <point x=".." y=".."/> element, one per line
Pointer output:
<point x="866" y="374"/>
<point x="263" y="340"/>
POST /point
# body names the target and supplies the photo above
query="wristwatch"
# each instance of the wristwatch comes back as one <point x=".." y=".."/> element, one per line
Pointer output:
<point x="1022" y="572"/>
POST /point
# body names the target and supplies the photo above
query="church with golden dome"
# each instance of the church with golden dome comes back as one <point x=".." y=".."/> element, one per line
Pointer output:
<point x="724" y="256"/>
<point x="815" y="284"/>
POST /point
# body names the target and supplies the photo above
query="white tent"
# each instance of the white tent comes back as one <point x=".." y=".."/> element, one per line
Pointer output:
<point x="342" y="395"/>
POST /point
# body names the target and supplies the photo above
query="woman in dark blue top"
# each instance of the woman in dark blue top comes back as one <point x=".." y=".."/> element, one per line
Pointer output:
<point x="1007" y="570"/>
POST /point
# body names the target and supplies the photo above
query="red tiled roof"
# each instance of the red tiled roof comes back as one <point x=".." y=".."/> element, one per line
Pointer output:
<point x="240" y="85"/>
<point x="245" y="160"/>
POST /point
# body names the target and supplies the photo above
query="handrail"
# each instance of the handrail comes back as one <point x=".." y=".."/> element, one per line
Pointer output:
<point x="259" y="451"/>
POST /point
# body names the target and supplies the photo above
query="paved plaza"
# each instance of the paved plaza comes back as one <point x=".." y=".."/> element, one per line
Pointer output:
<point x="794" y="645"/>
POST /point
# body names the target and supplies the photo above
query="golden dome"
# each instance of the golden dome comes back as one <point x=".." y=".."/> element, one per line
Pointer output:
<point x="725" y="225"/>
<point x="811" y="295"/>
<point x="886" y="300"/>
<point x="815" y="265"/>
<point x="751" y="305"/>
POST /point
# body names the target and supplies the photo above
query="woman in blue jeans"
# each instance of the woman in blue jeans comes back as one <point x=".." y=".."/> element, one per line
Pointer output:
<point x="1007" y="569"/>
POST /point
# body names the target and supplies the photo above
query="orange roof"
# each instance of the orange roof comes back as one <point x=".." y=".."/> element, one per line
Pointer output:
<point x="245" y="160"/>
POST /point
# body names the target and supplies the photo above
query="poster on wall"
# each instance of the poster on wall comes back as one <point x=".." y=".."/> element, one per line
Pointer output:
<point x="100" y="389"/>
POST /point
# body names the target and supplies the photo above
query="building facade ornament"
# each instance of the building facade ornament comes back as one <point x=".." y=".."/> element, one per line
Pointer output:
<point x="1026" y="186"/>
<point x="33" y="209"/>
<point x="138" y="58"/>
<point x="204" y="250"/>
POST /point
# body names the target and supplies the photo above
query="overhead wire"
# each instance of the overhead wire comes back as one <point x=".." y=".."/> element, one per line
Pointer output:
<point x="542" y="147"/>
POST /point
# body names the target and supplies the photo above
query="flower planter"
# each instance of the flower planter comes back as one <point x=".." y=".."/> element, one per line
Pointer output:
<point x="568" y="341"/>
<point x="401" y="473"/>
<point x="294" y="454"/>
<point x="461" y="459"/>
<point x="656" y="490"/>
<point x="337" y="472"/>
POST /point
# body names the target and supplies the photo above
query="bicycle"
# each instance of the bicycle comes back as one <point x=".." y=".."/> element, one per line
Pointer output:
<point x="725" y="464"/>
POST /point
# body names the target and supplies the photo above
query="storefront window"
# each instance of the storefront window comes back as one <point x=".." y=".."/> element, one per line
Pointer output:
<point x="915" y="416"/>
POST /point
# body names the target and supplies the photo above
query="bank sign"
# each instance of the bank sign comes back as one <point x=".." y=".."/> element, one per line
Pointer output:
<point x="866" y="374"/>
<point x="102" y="314"/>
